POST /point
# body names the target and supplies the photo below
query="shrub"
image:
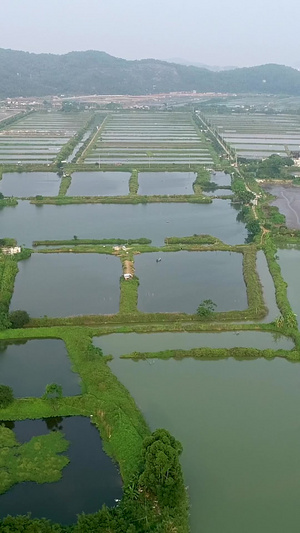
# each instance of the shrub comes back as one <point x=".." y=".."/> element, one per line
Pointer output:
<point x="6" y="396"/>
<point x="18" y="318"/>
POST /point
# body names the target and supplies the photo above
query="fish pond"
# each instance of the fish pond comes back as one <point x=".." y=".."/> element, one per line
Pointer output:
<point x="28" y="366"/>
<point x="239" y="426"/>
<point x="221" y="178"/>
<point x="179" y="281"/>
<point x="160" y="183"/>
<point x="289" y="261"/>
<point x="99" y="184"/>
<point x="118" y="344"/>
<point x="88" y="481"/>
<point x="25" y="184"/>
<point x="68" y="284"/>
<point x="97" y="221"/>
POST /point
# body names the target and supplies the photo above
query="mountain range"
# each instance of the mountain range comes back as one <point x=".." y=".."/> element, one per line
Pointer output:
<point x="92" y="72"/>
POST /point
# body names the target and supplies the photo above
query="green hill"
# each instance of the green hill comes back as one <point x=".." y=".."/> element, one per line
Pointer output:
<point x="92" y="72"/>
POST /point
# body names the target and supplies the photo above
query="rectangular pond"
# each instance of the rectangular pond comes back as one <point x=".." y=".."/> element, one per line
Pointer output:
<point x="68" y="284"/>
<point x="99" y="184"/>
<point x="221" y="178"/>
<point x="160" y="183"/>
<point x="88" y="481"/>
<point x="97" y="221"/>
<point x="25" y="184"/>
<point x="289" y="261"/>
<point x="180" y="281"/>
<point x="28" y="366"/>
<point x="239" y="426"/>
<point x="118" y="344"/>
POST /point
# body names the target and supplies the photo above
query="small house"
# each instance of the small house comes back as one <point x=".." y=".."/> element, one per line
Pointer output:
<point x="128" y="276"/>
<point x="11" y="250"/>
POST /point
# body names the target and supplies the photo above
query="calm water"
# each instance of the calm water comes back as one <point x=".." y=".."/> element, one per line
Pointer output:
<point x="181" y="280"/>
<point x="28" y="367"/>
<point x="88" y="481"/>
<point x="118" y="344"/>
<point x="154" y="221"/>
<point x="289" y="261"/>
<point x="219" y="192"/>
<point x="221" y="179"/>
<point x="239" y="426"/>
<point x="288" y="202"/>
<point x="99" y="184"/>
<point x="160" y="183"/>
<point x="27" y="184"/>
<point x="68" y="284"/>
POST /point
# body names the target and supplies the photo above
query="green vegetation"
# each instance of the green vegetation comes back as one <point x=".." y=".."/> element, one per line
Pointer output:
<point x="54" y="74"/>
<point x="123" y="431"/>
<point x="194" y="239"/>
<point x="18" y="318"/>
<point x="8" y="272"/>
<point x="6" y="396"/>
<point x="64" y="185"/>
<point x="288" y="321"/>
<point x="206" y="309"/>
<point x="211" y="354"/>
<point x="76" y="241"/>
<point x="134" y="183"/>
<point x="36" y="460"/>
<point x="130" y="199"/>
<point x="7" y="202"/>
<point x="274" y="167"/>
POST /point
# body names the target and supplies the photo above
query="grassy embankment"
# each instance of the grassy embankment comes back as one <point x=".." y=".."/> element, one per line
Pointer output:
<point x="120" y="423"/>
<point x="128" y="312"/>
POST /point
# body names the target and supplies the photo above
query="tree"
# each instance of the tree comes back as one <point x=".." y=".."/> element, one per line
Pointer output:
<point x="6" y="396"/>
<point x="1" y="196"/>
<point x="53" y="391"/>
<point x="206" y="308"/>
<point x="18" y="318"/>
<point x="162" y="473"/>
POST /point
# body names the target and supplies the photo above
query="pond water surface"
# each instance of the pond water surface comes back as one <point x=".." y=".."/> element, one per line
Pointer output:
<point x="179" y="281"/>
<point x="289" y="261"/>
<point x="99" y="184"/>
<point x="28" y="366"/>
<point x="88" y="481"/>
<point x="118" y="344"/>
<point x="96" y="221"/>
<point x="68" y="284"/>
<point x="27" y="184"/>
<point x="239" y="426"/>
<point x="160" y="183"/>
<point x="221" y="179"/>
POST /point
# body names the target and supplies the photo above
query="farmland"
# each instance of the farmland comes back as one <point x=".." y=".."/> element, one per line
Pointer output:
<point x="255" y="136"/>
<point x="38" y="137"/>
<point x="140" y="302"/>
<point x="150" y="139"/>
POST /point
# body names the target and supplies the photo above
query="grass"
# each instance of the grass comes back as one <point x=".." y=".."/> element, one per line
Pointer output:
<point x="129" y="199"/>
<point x="64" y="185"/>
<point x="92" y="242"/>
<point x="8" y="202"/>
<point x="38" y="460"/>
<point x="115" y="414"/>
<point x="134" y="183"/>
<point x="211" y="354"/>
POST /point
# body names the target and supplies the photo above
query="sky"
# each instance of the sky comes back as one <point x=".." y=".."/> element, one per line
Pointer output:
<point x="215" y="32"/>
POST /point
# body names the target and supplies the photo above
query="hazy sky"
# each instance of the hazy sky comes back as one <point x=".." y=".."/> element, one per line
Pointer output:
<point x="216" y="32"/>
